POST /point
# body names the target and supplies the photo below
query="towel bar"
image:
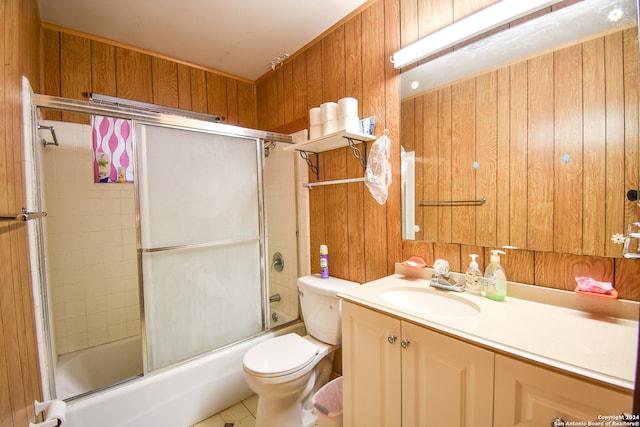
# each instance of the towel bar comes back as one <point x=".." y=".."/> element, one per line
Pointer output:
<point x="24" y="216"/>
<point x="453" y="202"/>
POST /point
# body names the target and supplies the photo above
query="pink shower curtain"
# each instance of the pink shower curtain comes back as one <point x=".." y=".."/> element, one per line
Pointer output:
<point x="112" y="149"/>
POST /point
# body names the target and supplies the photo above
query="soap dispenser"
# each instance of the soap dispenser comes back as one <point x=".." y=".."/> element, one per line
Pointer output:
<point x="472" y="276"/>
<point x="495" y="278"/>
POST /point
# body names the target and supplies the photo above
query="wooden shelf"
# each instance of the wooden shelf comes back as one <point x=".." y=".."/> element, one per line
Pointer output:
<point x="332" y="141"/>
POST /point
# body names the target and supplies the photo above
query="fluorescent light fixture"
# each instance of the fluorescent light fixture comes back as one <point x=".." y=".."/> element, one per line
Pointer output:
<point x="573" y="24"/>
<point x="473" y="25"/>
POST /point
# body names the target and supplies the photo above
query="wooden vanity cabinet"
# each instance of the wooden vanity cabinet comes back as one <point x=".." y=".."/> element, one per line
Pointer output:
<point x="397" y="373"/>
<point x="530" y="395"/>
<point x="400" y="374"/>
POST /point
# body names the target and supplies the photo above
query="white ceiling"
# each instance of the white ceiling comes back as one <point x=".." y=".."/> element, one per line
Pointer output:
<point x="239" y="37"/>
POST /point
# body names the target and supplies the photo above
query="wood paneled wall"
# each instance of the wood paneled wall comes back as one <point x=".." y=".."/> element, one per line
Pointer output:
<point x="350" y="60"/>
<point x="19" y="370"/>
<point x="75" y="64"/>
<point x="345" y="216"/>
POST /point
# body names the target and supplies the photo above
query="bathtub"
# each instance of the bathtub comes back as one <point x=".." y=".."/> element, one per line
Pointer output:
<point x="176" y="397"/>
<point x="82" y="371"/>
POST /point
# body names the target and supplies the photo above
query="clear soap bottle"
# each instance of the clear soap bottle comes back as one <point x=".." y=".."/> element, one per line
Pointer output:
<point x="472" y="276"/>
<point x="495" y="278"/>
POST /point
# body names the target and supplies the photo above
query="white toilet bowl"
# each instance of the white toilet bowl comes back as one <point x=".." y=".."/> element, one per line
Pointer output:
<point x="285" y="372"/>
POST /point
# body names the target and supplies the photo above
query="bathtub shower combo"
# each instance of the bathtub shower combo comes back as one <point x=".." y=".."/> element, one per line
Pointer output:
<point x="152" y="263"/>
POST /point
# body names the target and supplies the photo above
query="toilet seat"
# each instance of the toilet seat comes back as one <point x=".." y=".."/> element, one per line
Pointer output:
<point x="280" y="356"/>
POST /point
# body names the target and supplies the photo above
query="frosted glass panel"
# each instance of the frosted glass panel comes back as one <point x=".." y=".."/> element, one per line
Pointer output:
<point x="196" y="187"/>
<point x="202" y="238"/>
<point x="200" y="299"/>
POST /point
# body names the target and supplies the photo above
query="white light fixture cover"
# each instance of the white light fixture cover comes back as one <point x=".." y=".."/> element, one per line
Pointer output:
<point x="473" y="25"/>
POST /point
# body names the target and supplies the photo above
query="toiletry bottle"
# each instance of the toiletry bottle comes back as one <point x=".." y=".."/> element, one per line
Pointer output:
<point x="496" y="279"/>
<point x="324" y="262"/>
<point x="472" y="276"/>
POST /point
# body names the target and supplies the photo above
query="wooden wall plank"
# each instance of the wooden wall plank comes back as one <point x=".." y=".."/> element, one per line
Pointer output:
<point x="232" y="102"/>
<point x="19" y="371"/>
<point x="333" y="66"/>
<point x="314" y="76"/>
<point x="631" y="125"/>
<point x="503" y="162"/>
<point x="444" y="164"/>
<point x="184" y="87"/>
<point x="103" y="69"/>
<point x="300" y="107"/>
<point x="50" y="81"/>
<point x="287" y="71"/>
<point x="567" y="203"/>
<point x="164" y="76"/>
<point x="247" y="112"/>
<point x="487" y="155"/>
<point x="615" y="140"/>
<point x="199" y="97"/>
<point x="133" y="75"/>
<point x="540" y="154"/>
<point x="594" y="153"/>
<point x="427" y="170"/>
<point x="463" y="152"/>
<point x="392" y="129"/>
<point x="217" y="95"/>
<point x="355" y="191"/>
<point x="373" y="80"/>
<point x="518" y="180"/>
<point x="75" y="70"/>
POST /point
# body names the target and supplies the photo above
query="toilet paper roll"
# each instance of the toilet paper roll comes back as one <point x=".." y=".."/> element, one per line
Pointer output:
<point x="315" y="116"/>
<point x="330" y="126"/>
<point x="315" y="131"/>
<point x="57" y="410"/>
<point x="347" y="107"/>
<point x="349" y="123"/>
<point x="329" y="111"/>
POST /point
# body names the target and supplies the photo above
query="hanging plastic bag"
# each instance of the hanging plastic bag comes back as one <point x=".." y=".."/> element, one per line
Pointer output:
<point x="377" y="176"/>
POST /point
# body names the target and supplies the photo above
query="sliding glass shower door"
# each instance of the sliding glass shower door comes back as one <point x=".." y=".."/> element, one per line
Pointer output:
<point x="201" y="241"/>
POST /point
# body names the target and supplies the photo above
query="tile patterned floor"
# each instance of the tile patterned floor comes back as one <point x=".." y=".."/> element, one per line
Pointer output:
<point x="243" y="414"/>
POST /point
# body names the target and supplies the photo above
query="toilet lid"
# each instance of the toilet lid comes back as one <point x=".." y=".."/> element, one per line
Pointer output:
<point x="280" y="355"/>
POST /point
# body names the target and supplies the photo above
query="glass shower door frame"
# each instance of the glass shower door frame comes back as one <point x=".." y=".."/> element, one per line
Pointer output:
<point x="145" y="253"/>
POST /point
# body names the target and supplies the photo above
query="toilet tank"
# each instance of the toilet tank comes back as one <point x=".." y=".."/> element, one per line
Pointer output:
<point x="321" y="308"/>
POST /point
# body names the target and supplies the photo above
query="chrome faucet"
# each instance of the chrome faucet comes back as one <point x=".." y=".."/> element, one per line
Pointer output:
<point x="441" y="280"/>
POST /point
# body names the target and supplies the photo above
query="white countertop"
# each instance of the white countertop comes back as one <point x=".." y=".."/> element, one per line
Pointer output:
<point x="592" y="344"/>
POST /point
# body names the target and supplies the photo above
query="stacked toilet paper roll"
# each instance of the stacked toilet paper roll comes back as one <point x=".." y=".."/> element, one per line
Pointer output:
<point x="315" y="123"/>
<point x="331" y="117"/>
<point x="329" y="112"/>
<point x="348" y="114"/>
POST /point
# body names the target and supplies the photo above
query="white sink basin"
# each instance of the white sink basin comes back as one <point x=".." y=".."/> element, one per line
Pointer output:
<point x="429" y="301"/>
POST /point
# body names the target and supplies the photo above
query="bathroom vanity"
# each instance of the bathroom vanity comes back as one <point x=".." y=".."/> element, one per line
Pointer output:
<point x="431" y="357"/>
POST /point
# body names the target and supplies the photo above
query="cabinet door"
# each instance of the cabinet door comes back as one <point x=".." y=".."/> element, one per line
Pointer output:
<point x="371" y="368"/>
<point x="529" y="395"/>
<point x="445" y="382"/>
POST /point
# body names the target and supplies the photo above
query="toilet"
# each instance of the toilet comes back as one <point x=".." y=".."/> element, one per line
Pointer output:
<point x="286" y="371"/>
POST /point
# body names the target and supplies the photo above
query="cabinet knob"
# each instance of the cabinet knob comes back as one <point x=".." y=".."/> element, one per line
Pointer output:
<point x="557" y="422"/>
<point x="392" y="339"/>
<point x="405" y="343"/>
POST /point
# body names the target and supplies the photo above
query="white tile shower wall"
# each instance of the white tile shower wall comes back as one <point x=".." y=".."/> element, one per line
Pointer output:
<point x="303" y="215"/>
<point x="91" y="246"/>
<point x="281" y="227"/>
